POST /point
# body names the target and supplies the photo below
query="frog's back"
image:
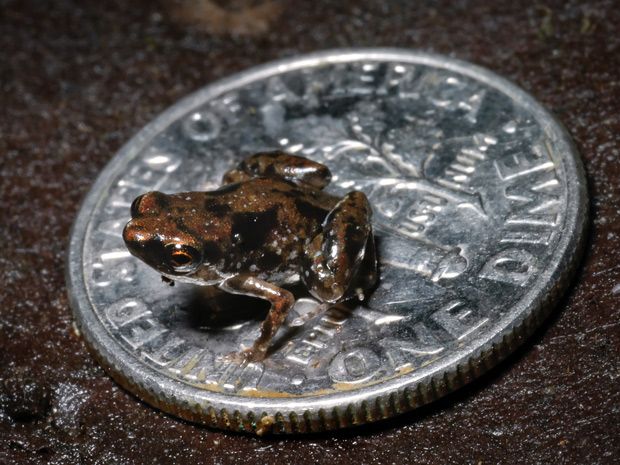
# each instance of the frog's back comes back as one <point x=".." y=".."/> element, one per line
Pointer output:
<point x="267" y="223"/>
<point x="262" y="194"/>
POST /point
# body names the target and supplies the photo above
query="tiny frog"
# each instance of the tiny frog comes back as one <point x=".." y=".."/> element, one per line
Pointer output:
<point x="270" y="224"/>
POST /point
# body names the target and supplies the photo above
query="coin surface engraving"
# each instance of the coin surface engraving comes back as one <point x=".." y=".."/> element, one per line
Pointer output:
<point x="479" y="210"/>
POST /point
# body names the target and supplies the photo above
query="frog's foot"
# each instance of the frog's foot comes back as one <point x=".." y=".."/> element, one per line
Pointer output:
<point x="332" y="266"/>
<point x="281" y="165"/>
<point x="303" y="319"/>
<point x="245" y="357"/>
<point x="281" y="302"/>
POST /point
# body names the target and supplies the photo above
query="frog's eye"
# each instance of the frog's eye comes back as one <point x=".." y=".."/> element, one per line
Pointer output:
<point x="182" y="258"/>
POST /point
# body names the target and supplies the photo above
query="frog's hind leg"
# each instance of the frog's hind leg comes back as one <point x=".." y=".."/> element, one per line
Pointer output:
<point x="281" y="302"/>
<point x="282" y="165"/>
<point x="332" y="264"/>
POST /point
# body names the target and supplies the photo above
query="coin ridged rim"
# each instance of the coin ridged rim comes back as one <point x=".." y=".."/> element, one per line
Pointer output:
<point x="351" y="407"/>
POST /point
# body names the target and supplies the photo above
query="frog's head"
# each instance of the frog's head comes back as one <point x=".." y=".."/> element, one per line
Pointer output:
<point x="158" y="236"/>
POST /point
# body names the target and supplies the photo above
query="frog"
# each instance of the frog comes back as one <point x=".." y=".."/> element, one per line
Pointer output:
<point x="269" y="225"/>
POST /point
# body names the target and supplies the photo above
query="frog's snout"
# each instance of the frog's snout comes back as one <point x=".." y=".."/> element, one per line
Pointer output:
<point x="129" y="233"/>
<point x="134" y="235"/>
<point x="138" y="240"/>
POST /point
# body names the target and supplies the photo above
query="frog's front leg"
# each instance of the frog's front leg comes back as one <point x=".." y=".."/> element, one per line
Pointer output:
<point x="332" y="261"/>
<point x="281" y="302"/>
<point x="282" y="165"/>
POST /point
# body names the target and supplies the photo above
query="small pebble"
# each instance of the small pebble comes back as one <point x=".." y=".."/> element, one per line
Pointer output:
<point x="24" y="399"/>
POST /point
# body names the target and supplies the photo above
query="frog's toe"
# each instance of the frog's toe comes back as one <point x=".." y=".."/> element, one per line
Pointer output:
<point x="247" y="356"/>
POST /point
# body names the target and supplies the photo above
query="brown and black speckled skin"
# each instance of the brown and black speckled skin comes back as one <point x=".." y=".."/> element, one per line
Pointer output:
<point x="270" y="224"/>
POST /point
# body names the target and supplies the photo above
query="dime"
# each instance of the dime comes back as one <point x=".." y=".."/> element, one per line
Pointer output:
<point x="479" y="210"/>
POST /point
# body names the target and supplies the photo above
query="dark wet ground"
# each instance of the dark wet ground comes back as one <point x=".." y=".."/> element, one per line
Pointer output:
<point x="78" y="78"/>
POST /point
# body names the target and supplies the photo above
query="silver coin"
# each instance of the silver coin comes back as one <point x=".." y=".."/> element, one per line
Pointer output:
<point x="479" y="210"/>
